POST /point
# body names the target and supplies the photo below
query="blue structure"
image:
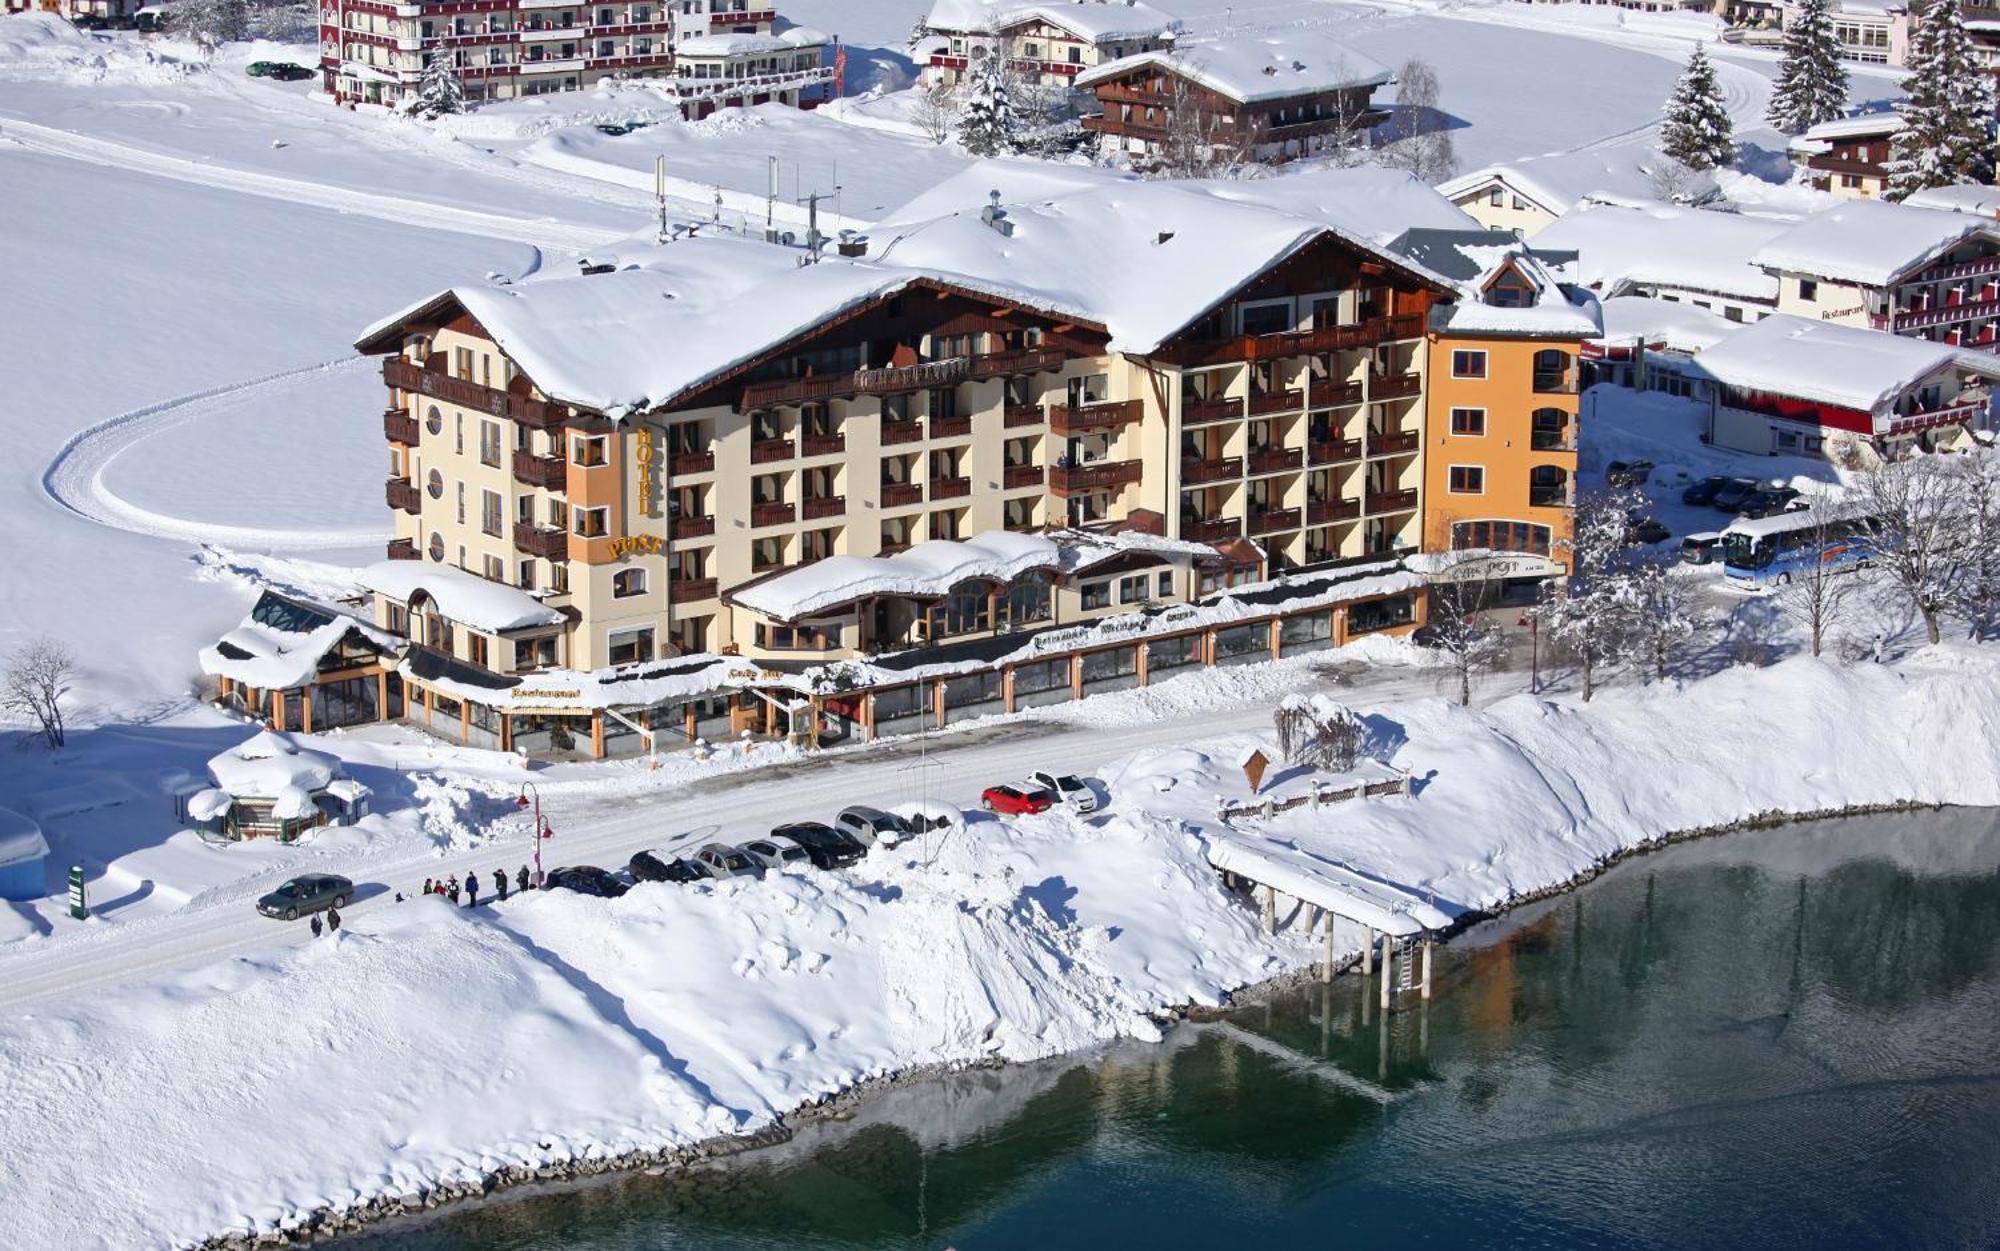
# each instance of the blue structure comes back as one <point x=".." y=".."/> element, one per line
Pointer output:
<point x="22" y="850"/>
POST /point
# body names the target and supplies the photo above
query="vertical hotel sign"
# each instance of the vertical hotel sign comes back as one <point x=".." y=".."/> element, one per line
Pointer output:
<point x="643" y="454"/>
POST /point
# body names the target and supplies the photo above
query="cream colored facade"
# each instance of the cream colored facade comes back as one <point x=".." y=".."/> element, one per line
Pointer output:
<point x="1496" y="204"/>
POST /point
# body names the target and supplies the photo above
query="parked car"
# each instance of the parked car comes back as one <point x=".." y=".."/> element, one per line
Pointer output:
<point x="1069" y="789"/>
<point x="1770" y="501"/>
<point x="1628" y="473"/>
<point x="925" y="816"/>
<point x="827" y="847"/>
<point x="1730" y="496"/>
<point x="587" y="879"/>
<point x="1702" y="549"/>
<point x="260" y="69"/>
<point x="720" y="860"/>
<point x="89" y="21"/>
<point x="1645" y="530"/>
<point x="663" y="866"/>
<point x="1703" y="492"/>
<point x="287" y="72"/>
<point x="871" y="825"/>
<point x="308" y="892"/>
<point x="1016" y="801"/>
<point x="775" y="852"/>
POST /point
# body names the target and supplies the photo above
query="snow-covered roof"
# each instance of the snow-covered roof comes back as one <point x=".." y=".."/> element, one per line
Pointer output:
<point x="1823" y="136"/>
<point x="1303" y="875"/>
<point x="267" y="764"/>
<point x="1618" y="246"/>
<point x="1476" y="259"/>
<point x="209" y="803"/>
<point x="1827" y="363"/>
<point x="1098" y="21"/>
<point x="1082" y="550"/>
<point x="1669" y="325"/>
<point x="283" y="639"/>
<point x="1253" y="69"/>
<point x="926" y="570"/>
<point x="727" y="45"/>
<point x="464" y="597"/>
<point x="21" y="839"/>
<point x="1958" y="198"/>
<point x="1868" y="242"/>
<point x="1561" y="181"/>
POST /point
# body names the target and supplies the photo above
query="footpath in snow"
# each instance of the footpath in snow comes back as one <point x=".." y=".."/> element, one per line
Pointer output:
<point x="429" y="1046"/>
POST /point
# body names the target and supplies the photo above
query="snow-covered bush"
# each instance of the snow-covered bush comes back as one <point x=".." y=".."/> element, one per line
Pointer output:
<point x="1317" y="732"/>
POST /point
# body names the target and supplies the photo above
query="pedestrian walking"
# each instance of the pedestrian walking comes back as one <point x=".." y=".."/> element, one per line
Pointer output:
<point x="1881" y="645"/>
<point x="316" y="925"/>
<point x="427" y="886"/>
<point x="521" y="879"/>
<point x="453" y="892"/>
<point x="472" y="890"/>
<point x="399" y="896"/>
<point x="500" y="883"/>
<point x="333" y="920"/>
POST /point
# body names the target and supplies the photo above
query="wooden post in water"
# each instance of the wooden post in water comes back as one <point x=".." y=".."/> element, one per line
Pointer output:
<point x="1368" y="954"/>
<point x="1427" y="967"/>
<point x="1387" y="959"/>
<point x="1326" y="965"/>
<point x="1270" y="909"/>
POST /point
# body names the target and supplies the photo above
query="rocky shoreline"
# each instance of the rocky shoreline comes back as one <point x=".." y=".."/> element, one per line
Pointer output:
<point x="325" y="1223"/>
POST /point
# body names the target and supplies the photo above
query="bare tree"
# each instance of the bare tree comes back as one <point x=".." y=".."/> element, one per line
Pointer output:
<point x="934" y="112"/>
<point x="1469" y="643"/>
<point x="1978" y="595"/>
<point x="1816" y="597"/>
<point x="1190" y="147"/>
<point x="1673" y="182"/>
<point x="1418" y="140"/>
<point x="1920" y="538"/>
<point x="1318" y="733"/>
<point x="1664" y="613"/>
<point x="1589" y="612"/>
<point x="35" y="683"/>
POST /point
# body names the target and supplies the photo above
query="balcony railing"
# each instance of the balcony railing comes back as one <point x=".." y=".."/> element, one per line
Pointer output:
<point x="1941" y="315"/>
<point x="824" y="506"/>
<point x="548" y="542"/>
<point x="534" y="414"/>
<point x="1321" y="512"/>
<point x="689" y="590"/>
<point x="1333" y="451"/>
<point x="404" y="494"/>
<point x="1397" y="387"/>
<point x="1552" y="440"/>
<point x="765" y="451"/>
<point x="1273" y="521"/>
<point x="950" y="427"/>
<point x="1394" y="443"/>
<point x="1392" y="501"/>
<point x="547" y="472"/>
<point x="1211" y="529"/>
<point x="690" y="527"/>
<point x="776" y="513"/>
<point x="1018" y="415"/>
<point x="1555" y="384"/>
<point x="950" y="488"/>
<point x="1550" y="497"/>
<point x="1961" y="269"/>
<point x="1970" y="405"/>
<point x="403" y="549"/>
<point x="1333" y="394"/>
<point x="1296" y="342"/>
<point x="822" y="444"/>
<point x="1200" y="469"/>
<point x="902" y="432"/>
<point x="691" y="463"/>
<point x="1022" y="361"/>
<point x="1079" y="418"/>
<point x="1016" y="477"/>
<point x="901" y="494"/>
<point x="891" y="381"/>
<point x="1277" y="401"/>
<point x="1101" y="474"/>
<point x="400" y="427"/>
<point x="1276" y="459"/>
<point x="1201" y="412"/>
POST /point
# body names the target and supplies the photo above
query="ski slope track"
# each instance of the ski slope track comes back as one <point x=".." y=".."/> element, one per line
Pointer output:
<point x="74" y="479"/>
<point x="542" y="232"/>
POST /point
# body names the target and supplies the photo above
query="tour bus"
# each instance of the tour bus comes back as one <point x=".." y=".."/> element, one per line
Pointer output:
<point x="1770" y="551"/>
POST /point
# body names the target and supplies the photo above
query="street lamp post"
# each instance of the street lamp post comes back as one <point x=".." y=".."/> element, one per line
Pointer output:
<point x="1533" y="621"/>
<point x="541" y="830"/>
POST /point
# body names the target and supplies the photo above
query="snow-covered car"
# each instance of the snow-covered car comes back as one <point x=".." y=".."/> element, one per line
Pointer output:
<point x="1069" y="789"/>
<point x="1628" y="473"/>
<point x="587" y="879"/>
<point x="663" y="866"/>
<point x="925" y="816"/>
<point x="1730" y="497"/>
<point x="828" y="848"/>
<point x="309" y="892"/>
<point x="871" y="825"/>
<point x="775" y="851"/>
<point x="1646" y="530"/>
<point x="720" y="860"/>
<point x="1017" y="801"/>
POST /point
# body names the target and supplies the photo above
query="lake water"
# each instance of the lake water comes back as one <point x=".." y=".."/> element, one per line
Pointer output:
<point x="1784" y="1038"/>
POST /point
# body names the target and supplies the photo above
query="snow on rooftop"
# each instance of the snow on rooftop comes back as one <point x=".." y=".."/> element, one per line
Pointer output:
<point x="1095" y="20"/>
<point x="1252" y="69"/>
<point x="1561" y="181"/>
<point x="1958" y="198"/>
<point x="21" y="839"/>
<point x="1824" y="363"/>
<point x="927" y="570"/>
<point x="1869" y="242"/>
<point x="264" y="653"/>
<point x="1819" y="138"/>
<point x="267" y="764"/>
<point x="1667" y="245"/>
<point x="464" y="597"/>
<point x="724" y="45"/>
<point x="1477" y="260"/>
<point x="1672" y="325"/>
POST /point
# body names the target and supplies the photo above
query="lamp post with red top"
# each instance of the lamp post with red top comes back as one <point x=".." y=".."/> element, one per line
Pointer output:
<point x="542" y="829"/>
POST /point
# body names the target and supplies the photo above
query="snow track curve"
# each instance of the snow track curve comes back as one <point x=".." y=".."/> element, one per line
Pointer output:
<point x="74" y="478"/>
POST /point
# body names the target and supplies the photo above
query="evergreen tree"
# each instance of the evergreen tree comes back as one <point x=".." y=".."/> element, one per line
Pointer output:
<point x="987" y="125"/>
<point x="1812" y="82"/>
<point x="1947" y="121"/>
<point x="439" y="91"/>
<point x="1697" y="129"/>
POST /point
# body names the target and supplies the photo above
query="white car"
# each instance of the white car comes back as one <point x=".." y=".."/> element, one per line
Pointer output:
<point x="1068" y="788"/>
<point x="775" y="851"/>
<point x="720" y="860"/>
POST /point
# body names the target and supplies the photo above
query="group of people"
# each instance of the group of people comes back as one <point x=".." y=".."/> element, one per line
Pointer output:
<point x="332" y="922"/>
<point x="452" y="889"/>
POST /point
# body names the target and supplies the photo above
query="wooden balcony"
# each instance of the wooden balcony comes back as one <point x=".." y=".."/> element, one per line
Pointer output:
<point x="1082" y="418"/>
<point x="1394" y="443"/>
<point x="404" y="494"/>
<point x="902" y="494"/>
<point x="1016" y="477"/>
<point x="690" y="590"/>
<point x="1273" y="521"/>
<point x="1333" y="451"/>
<point x="691" y="463"/>
<point x="1563" y="383"/>
<point x="1073" y="478"/>
<point x="400" y="427"/>
<point x="690" y="527"/>
<point x="1199" y="470"/>
<point x="1322" y="512"/>
<point x="403" y="549"/>
<point x="950" y="427"/>
<point x="1334" y="394"/>
<point x="950" y="488"/>
<point x="776" y="513"/>
<point x="766" y="451"/>
<point x="822" y="444"/>
<point x="1962" y="269"/>
<point x="1022" y="361"/>
<point x="1392" y="501"/>
<point x="545" y="541"/>
<point x="550" y="473"/>
<point x="534" y="414"/>
<point x="894" y="432"/>
<point x="1204" y="412"/>
<point x="1017" y="415"/>
<point x="1197" y="352"/>
<point x="892" y="381"/>
<point x="1211" y="529"/>
<point x="1277" y="401"/>
<point x="1398" y="387"/>
<point x="1276" y="459"/>
<point x="1125" y="128"/>
<point x="824" y="506"/>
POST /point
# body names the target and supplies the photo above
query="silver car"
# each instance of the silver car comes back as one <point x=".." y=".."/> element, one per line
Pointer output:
<point x="775" y="852"/>
<point x="720" y="860"/>
<point x="871" y="825"/>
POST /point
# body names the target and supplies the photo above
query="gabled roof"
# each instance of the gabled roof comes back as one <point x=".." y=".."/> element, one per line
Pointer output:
<point x="1252" y="70"/>
<point x="1959" y="198"/>
<point x="1869" y="242"/>
<point x="1827" y="363"/>
<point x="1822" y="137"/>
<point x="1563" y="181"/>
<point x="464" y="597"/>
<point x="1477" y="259"/>
<point x="1620" y="246"/>
<point x="282" y="640"/>
<point x="1098" y="21"/>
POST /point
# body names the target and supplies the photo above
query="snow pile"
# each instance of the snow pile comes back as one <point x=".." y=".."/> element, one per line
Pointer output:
<point x="270" y="764"/>
<point x="44" y="47"/>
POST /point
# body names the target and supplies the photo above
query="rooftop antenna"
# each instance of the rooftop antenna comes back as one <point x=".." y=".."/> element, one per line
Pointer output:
<point x="771" y="200"/>
<point x="813" y="237"/>
<point x="660" y="191"/>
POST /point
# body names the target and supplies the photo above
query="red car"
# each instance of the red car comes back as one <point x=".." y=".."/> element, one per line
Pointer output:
<point x="1015" y="802"/>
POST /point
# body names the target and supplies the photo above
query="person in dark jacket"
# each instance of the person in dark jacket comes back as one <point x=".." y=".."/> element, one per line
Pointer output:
<point x="316" y="929"/>
<point x="333" y="920"/>
<point x="472" y="890"/>
<point x="500" y="883"/>
<point x="521" y="879"/>
<point x="427" y="886"/>
<point x="453" y="892"/>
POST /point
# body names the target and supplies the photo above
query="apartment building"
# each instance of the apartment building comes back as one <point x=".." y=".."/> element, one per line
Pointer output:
<point x="375" y="51"/>
<point x="1047" y="44"/>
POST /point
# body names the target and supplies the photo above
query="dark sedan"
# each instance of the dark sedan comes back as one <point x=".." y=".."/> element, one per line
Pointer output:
<point x="309" y="892"/>
<point x="827" y="847"/>
<point x="1731" y="495"/>
<point x="587" y="879"/>
<point x="661" y="866"/>
<point x="1769" y="502"/>
<point x="1703" y="492"/>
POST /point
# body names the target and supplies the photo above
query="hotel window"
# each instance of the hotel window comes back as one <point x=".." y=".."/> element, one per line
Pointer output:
<point x="1808" y="289"/>
<point x="588" y="451"/>
<point x="461" y="363"/>
<point x="436" y="547"/>
<point x="630" y="646"/>
<point x="767" y="554"/>
<point x="1496" y="197"/>
<point x="895" y="408"/>
<point x="1468" y="480"/>
<point x="435" y="485"/>
<point x="1166" y="584"/>
<point x="558" y="578"/>
<point x="944" y="403"/>
<point x="458" y="433"/>
<point x="817" y="544"/>
<point x="1096" y="595"/>
<point x="527" y="582"/>
<point x="592" y="523"/>
<point x="1132" y="590"/>
<point x="475" y="646"/>
<point x="489" y="443"/>
<point x="627" y="583"/>
<point x="461" y="517"/>
<point x="434" y="420"/>
<point x="496" y="569"/>
<point x="1468" y="364"/>
<point x="492" y="514"/>
<point x="1468" y="421"/>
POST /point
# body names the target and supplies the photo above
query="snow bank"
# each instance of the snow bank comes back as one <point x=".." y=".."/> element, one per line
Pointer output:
<point x="44" y="47"/>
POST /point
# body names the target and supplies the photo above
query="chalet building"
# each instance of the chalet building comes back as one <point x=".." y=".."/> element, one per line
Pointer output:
<point x="729" y="70"/>
<point x="1699" y="257"/>
<point x="1048" y="44"/>
<point x="1501" y="410"/>
<point x="1848" y="157"/>
<point x="1792" y="386"/>
<point x="1964" y="197"/>
<point x="1260" y="99"/>
<point x="1527" y="195"/>
<point x="1650" y="345"/>
<point x="374" y="51"/>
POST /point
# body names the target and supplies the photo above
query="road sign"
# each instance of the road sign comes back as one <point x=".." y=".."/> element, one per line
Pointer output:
<point x="77" y="907"/>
